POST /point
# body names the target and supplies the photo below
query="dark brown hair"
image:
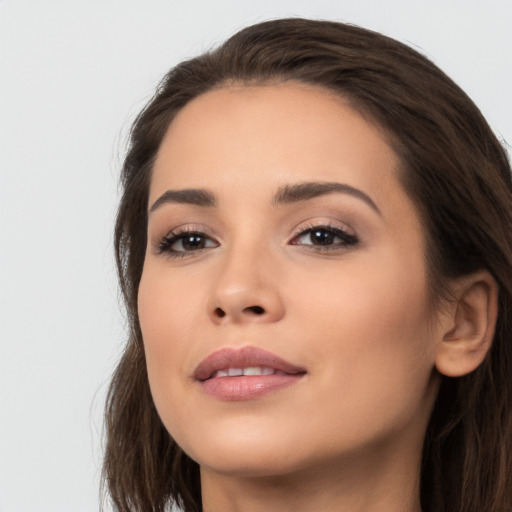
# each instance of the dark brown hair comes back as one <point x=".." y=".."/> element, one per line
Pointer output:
<point x="456" y="172"/>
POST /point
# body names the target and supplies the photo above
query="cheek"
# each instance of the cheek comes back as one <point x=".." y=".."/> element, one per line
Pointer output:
<point x="384" y="296"/>
<point x="167" y="308"/>
<point x="372" y="335"/>
<point x="167" y="318"/>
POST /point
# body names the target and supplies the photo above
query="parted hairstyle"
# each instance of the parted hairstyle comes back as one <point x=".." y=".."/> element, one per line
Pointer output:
<point x="452" y="167"/>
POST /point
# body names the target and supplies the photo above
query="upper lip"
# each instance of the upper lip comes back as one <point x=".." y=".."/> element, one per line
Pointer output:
<point x="244" y="357"/>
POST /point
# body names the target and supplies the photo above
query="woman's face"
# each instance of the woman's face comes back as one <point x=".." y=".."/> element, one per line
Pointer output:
<point x="281" y="245"/>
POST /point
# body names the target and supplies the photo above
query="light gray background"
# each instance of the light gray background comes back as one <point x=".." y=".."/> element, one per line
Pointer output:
<point x="72" y="76"/>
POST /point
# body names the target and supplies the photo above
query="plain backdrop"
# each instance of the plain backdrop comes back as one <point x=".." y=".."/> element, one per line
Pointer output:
<point x="73" y="74"/>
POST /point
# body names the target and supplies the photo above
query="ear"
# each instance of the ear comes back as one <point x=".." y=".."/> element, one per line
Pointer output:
<point x="469" y="328"/>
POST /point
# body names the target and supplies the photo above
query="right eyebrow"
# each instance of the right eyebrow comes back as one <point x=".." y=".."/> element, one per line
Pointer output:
<point x="194" y="196"/>
<point x="308" y="190"/>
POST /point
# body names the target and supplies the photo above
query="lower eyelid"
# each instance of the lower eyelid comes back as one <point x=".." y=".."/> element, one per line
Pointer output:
<point x="182" y="231"/>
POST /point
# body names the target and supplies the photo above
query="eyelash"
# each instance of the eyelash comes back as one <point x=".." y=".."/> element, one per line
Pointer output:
<point x="165" y="245"/>
<point x="347" y="240"/>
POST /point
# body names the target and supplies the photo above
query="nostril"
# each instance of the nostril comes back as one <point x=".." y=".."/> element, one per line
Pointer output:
<point x="220" y="313"/>
<point x="256" y="310"/>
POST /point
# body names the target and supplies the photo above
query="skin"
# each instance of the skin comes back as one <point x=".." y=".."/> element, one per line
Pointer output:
<point x="348" y="436"/>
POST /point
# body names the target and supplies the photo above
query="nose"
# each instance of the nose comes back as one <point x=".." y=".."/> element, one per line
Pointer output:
<point x="246" y="290"/>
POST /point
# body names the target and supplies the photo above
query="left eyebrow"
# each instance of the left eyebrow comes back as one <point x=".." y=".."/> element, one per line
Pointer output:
<point x="194" y="196"/>
<point x="308" y="190"/>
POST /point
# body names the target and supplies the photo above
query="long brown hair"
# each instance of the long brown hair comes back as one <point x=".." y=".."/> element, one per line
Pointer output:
<point x="453" y="168"/>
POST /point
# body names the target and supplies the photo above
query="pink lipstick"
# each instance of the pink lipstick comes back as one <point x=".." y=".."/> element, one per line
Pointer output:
<point x="245" y="374"/>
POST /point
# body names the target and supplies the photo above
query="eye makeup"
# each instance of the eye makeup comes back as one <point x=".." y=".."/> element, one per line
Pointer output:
<point x="315" y="236"/>
<point x="184" y="241"/>
<point x="324" y="237"/>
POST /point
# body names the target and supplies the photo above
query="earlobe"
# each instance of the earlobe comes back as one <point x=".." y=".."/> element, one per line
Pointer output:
<point x="470" y="330"/>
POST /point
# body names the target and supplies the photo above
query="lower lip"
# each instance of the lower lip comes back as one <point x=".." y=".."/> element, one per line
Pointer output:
<point x="247" y="387"/>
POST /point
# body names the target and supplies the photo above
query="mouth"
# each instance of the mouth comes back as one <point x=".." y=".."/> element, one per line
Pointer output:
<point x="244" y="374"/>
<point x="251" y="370"/>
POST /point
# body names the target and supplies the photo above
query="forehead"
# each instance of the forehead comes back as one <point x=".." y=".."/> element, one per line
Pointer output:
<point x="249" y="139"/>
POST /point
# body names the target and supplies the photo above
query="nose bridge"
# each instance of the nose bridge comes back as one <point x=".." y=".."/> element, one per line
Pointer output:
<point x="245" y="289"/>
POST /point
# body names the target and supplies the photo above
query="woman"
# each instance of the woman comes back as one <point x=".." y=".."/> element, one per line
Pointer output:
<point x="315" y="252"/>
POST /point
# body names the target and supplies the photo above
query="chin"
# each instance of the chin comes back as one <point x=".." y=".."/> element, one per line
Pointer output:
<point x="244" y="452"/>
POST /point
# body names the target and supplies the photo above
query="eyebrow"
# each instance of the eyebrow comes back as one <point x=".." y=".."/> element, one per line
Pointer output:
<point x="309" y="190"/>
<point x="286" y="194"/>
<point x="194" y="196"/>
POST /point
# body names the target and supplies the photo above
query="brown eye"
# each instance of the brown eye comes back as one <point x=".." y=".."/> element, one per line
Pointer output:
<point x="322" y="237"/>
<point x="186" y="242"/>
<point x="325" y="237"/>
<point x="190" y="243"/>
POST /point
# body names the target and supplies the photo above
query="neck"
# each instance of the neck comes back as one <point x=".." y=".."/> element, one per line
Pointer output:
<point x="354" y="487"/>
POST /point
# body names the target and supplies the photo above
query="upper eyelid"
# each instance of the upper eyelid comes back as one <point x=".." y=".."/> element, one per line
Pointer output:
<point x="303" y="226"/>
<point x="183" y="229"/>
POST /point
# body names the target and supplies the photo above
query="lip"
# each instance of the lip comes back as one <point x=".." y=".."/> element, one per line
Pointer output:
<point x="245" y="387"/>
